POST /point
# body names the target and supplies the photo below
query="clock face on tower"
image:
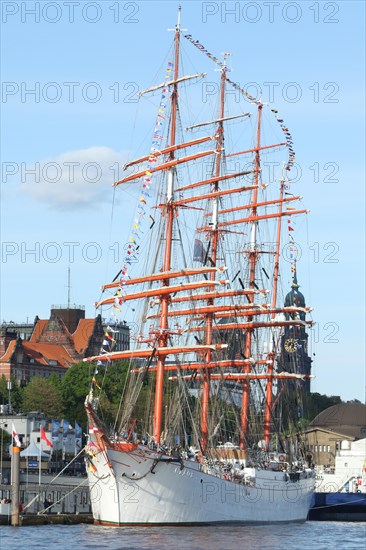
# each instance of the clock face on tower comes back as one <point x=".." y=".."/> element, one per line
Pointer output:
<point x="290" y="345"/>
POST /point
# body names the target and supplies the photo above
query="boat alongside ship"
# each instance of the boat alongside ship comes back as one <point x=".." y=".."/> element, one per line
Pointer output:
<point x="202" y="275"/>
<point x="341" y="492"/>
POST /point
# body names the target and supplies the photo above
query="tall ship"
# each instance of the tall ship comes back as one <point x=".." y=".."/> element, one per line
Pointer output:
<point x="204" y="432"/>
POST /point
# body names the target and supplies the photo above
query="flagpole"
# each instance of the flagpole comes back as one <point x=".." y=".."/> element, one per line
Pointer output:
<point x="27" y="457"/>
<point x="15" y="484"/>
<point x="39" y="461"/>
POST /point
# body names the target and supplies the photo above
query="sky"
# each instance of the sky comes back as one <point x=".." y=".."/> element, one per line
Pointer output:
<point x="70" y="72"/>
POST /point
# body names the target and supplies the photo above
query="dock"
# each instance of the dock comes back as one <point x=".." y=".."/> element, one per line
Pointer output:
<point x="49" y="519"/>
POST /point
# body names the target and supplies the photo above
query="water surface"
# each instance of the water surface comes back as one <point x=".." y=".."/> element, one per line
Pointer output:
<point x="307" y="536"/>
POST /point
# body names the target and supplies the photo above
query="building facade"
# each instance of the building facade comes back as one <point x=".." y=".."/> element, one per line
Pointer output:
<point x="54" y="344"/>
<point x="334" y="430"/>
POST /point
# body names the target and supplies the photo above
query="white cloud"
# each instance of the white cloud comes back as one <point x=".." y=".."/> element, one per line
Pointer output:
<point x="75" y="179"/>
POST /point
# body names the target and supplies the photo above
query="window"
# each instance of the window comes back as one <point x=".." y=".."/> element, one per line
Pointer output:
<point x="328" y="448"/>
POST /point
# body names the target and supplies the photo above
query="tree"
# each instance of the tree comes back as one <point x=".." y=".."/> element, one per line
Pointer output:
<point x="3" y="390"/>
<point x="16" y="394"/>
<point x="56" y="381"/>
<point x="5" y="441"/>
<point x="41" y="395"/>
<point x="75" y="385"/>
<point x="317" y="402"/>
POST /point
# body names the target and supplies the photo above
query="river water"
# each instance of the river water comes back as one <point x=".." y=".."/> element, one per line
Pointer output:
<point x="317" y="535"/>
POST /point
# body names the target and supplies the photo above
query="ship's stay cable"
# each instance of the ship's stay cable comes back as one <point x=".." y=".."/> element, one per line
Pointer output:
<point x="193" y="116"/>
<point x="132" y="136"/>
<point x="130" y="395"/>
<point x="232" y="402"/>
<point x="63" y="497"/>
<point x="184" y="386"/>
<point x="53" y="479"/>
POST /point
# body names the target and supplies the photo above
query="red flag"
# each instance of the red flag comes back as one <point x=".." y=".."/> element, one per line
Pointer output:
<point x="15" y="437"/>
<point x="45" y="438"/>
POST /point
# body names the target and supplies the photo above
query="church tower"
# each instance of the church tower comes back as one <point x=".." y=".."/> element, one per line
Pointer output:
<point x="294" y="342"/>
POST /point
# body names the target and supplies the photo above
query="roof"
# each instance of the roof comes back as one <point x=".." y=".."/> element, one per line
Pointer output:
<point x="38" y="329"/>
<point x="43" y="353"/>
<point x="33" y="450"/>
<point x="82" y="334"/>
<point x="80" y="338"/>
<point x="345" y="418"/>
<point x="9" y="352"/>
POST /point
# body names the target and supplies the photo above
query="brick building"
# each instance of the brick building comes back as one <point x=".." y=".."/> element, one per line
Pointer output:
<point x="53" y="345"/>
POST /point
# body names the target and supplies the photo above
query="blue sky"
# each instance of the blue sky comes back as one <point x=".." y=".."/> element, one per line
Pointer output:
<point x="85" y="61"/>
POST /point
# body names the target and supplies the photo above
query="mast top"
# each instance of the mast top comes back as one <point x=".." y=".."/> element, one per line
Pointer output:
<point x="178" y="20"/>
<point x="177" y="28"/>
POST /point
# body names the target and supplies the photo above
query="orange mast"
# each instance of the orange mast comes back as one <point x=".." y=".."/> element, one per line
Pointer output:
<point x="269" y="386"/>
<point x="214" y="245"/>
<point x="170" y="209"/>
<point x="252" y="264"/>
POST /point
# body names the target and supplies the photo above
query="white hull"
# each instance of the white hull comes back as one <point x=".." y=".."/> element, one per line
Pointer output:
<point x="132" y="490"/>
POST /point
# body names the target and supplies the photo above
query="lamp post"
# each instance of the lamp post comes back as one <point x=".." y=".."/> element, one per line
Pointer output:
<point x="9" y="401"/>
<point x="1" y="452"/>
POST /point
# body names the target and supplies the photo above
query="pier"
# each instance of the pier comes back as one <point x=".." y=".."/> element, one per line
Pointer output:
<point x="64" y="501"/>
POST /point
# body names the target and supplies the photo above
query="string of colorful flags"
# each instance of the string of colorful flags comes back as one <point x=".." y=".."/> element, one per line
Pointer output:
<point x="133" y="246"/>
<point x="244" y="92"/>
<point x="293" y="252"/>
<point x="283" y="126"/>
<point x="204" y="50"/>
<point x="132" y="250"/>
<point x="288" y="137"/>
<point x="257" y="101"/>
<point x="292" y="247"/>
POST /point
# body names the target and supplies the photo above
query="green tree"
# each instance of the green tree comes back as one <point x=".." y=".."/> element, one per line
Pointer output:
<point x="317" y="402"/>
<point x="41" y="395"/>
<point x="3" y="390"/>
<point x="56" y="381"/>
<point x="16" y="395"/>
<point x="5" y="441"/>
<point x="75" y="385"/>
